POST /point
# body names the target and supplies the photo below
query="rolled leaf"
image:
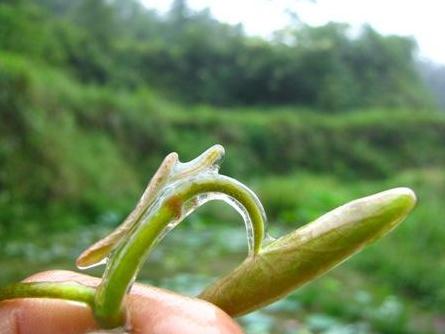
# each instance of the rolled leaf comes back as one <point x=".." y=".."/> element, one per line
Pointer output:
<point x="309" y="252"/>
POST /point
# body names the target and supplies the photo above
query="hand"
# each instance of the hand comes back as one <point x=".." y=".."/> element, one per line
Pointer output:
<point x="151" y="311"/>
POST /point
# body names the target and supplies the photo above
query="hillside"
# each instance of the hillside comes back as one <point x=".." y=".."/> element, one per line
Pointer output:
<point x="310" y="120"/>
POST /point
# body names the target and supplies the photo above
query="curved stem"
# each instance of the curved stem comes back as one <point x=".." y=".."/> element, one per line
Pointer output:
<point x="131" y="253"/>
<point x="66" y="290"/>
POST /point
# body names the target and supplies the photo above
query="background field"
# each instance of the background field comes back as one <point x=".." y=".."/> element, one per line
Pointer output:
<point x="94" y="93"/>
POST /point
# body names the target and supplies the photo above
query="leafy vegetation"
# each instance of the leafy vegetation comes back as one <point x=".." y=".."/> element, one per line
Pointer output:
<point x="190" y="55"/>
<point x="312" y="118"/>
<point x="69" y="143"/>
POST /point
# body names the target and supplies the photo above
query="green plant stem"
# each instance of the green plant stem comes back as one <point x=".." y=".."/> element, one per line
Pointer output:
<point x="60" y="290"/>
<point x="266" y="275"/>
<point x="131" y="252"/>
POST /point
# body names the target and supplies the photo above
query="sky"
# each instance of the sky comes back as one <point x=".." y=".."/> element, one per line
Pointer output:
<point x="422" y="19"/>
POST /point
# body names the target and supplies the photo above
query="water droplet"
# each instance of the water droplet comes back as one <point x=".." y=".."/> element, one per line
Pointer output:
<point x="214" y="196"/>
<point x="268" y="239"/>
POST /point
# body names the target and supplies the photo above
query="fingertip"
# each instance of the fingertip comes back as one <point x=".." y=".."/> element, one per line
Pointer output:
<point x="8" y="319"/>
<point x="45" y="316"/>
<point x="152" y="310"/>
<point x="157" y="311"/>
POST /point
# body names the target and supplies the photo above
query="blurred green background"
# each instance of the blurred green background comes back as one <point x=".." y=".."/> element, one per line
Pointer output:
<point x="93" y="94"/>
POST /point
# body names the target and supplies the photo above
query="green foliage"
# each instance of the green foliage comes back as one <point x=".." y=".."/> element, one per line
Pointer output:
<point x="191" y="56"/>
<point x="86" y="114"/>
<point x="66" y="144"/>
<point x="434" y="77"/>
<point x="29" y="30"/>
<point x="48" y="160"/>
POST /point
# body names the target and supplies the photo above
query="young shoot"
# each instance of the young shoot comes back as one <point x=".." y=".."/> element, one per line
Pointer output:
<point x="268" y="273"/>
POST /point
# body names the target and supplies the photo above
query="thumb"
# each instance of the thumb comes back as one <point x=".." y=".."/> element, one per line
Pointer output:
<point x="151" y="311"/>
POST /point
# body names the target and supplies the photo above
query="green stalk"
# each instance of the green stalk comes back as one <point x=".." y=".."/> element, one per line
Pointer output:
<point x="60" y="290"/>
<point x="131" y="253"/>
<point x="266" y="275"/>
<point x="308" y="252"/>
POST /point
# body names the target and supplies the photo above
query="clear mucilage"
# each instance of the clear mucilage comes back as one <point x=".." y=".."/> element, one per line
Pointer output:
<point x="204" y="167"/>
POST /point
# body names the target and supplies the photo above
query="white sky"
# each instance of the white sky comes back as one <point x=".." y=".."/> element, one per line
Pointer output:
<point x="422" y="19"/>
